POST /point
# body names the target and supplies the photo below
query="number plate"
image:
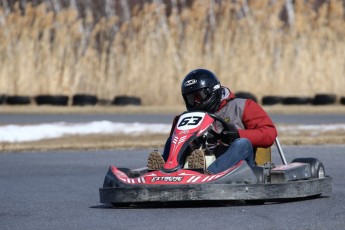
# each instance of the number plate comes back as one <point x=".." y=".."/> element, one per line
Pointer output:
<point x="190" y="121"/>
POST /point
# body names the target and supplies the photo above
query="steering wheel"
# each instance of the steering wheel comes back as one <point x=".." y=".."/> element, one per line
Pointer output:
<point x="225" y="125"/>
<point x="228" y="131"/>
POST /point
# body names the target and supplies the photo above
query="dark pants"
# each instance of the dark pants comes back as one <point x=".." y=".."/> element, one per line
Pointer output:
<point x="240" y="149"/>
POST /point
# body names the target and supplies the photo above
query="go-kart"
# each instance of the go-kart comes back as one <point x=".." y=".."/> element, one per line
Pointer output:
<point x="303" y="177"/>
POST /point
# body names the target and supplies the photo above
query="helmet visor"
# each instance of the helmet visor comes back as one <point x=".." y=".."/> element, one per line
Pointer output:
<point x="196" y="98"/>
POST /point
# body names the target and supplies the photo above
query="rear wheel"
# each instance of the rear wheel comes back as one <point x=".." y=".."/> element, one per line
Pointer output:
<point x="317" y="170"/>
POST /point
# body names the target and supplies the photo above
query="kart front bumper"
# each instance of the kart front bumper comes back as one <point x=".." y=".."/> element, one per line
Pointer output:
<point x="214" y="192"/>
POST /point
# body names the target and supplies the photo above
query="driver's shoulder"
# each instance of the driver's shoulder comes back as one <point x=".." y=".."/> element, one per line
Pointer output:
<point x="235" y="103"/>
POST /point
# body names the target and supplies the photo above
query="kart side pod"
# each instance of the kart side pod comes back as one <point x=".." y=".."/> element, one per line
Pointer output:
<point x="290" y="172"/>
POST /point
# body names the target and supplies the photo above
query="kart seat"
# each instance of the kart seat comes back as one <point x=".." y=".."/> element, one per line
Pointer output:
<point x="263" y="156"/>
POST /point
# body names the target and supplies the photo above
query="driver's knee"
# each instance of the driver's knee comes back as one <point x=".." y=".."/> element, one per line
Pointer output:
<point x="242" y="143"/>
<point x="244" y="147"/>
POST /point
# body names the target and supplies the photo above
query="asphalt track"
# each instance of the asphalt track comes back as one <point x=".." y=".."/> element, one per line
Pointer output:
<point x="59" y="190"/>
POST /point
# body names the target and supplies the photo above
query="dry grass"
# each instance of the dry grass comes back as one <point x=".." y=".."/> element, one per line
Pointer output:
<point x="46" y="52"/>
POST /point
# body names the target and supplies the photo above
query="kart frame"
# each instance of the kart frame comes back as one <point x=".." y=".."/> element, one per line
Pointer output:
<point x="214" y="192"/>
<point x="283" y="187"/>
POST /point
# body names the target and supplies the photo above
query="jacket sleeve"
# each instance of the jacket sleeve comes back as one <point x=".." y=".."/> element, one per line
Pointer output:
<point x="259" y="128"/>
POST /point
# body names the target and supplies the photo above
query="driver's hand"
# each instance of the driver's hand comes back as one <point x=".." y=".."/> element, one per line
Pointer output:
<point x="212" y="137"/>
<point x="229" y="136"/>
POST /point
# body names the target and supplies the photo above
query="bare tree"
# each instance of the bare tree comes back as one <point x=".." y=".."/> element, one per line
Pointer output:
<point x="73" y="4"/>
<point x="56" y="5"/>
<point x="109" y="8"/>
<point x="22" y="4"/>
<point x="6" y="7"/>
<point x="126" y="11"/>
<point x="212" y="15"/>
<point x="290" y="12"/>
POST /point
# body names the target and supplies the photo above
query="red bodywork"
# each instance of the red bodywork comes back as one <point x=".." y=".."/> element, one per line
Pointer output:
<point x="182" y="176"/>
<point x="188" y="127"/>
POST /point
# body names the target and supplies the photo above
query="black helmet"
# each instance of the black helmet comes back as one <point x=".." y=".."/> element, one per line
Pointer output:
<point x="201" y="91"/>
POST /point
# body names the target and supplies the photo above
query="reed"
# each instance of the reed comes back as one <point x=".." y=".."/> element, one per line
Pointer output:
<point x="148" y="53"/>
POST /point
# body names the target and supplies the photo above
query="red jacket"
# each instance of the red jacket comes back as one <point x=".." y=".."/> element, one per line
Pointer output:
<point x="249" y="118"/>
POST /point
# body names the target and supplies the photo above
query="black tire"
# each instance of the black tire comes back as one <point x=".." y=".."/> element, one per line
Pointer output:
<point x="84" y="99"/>
<point x="271" y="100"/>
<point x="246" y="95"/>
<point x="2" y="99"/>
<point x="317" y="170"/>
<point x="296" y="100"/>
<point x="324" y="99"/>
<point x="126" y="100"/>
<point x="342" y="100"/>
<point x="18" y="100"/>
<point x="58" y="100"/>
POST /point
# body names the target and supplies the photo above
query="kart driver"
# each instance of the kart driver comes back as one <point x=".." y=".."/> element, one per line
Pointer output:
<point x="250" y="126"/>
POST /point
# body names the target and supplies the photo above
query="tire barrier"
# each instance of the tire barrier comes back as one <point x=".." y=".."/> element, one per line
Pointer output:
<point x="271" y="100"/>
<point x="126" y="100"/>
<point x="342" y="100"/>
<point x="246" y="95"/>
<point x="58" y="100"/>
<point x="18" y="100"/>
<point x="324" y="99"/>
<point x="84" y="99"/>
<point x="2" y="99"/>
<point x="88" y="99"/>
<point x="297" y="100"/>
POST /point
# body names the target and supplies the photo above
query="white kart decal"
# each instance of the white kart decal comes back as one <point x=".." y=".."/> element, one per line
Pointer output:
<point x="185" y="174"/>
<point x="152" y="174"/>
<point x="193" y="179"/>
<point x="177" y="142"/>
<point x="190" y="121"/>
<point x="167" y="178"/>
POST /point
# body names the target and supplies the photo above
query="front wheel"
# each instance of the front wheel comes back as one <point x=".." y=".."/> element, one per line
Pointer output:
<point x="317" y="170"/>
